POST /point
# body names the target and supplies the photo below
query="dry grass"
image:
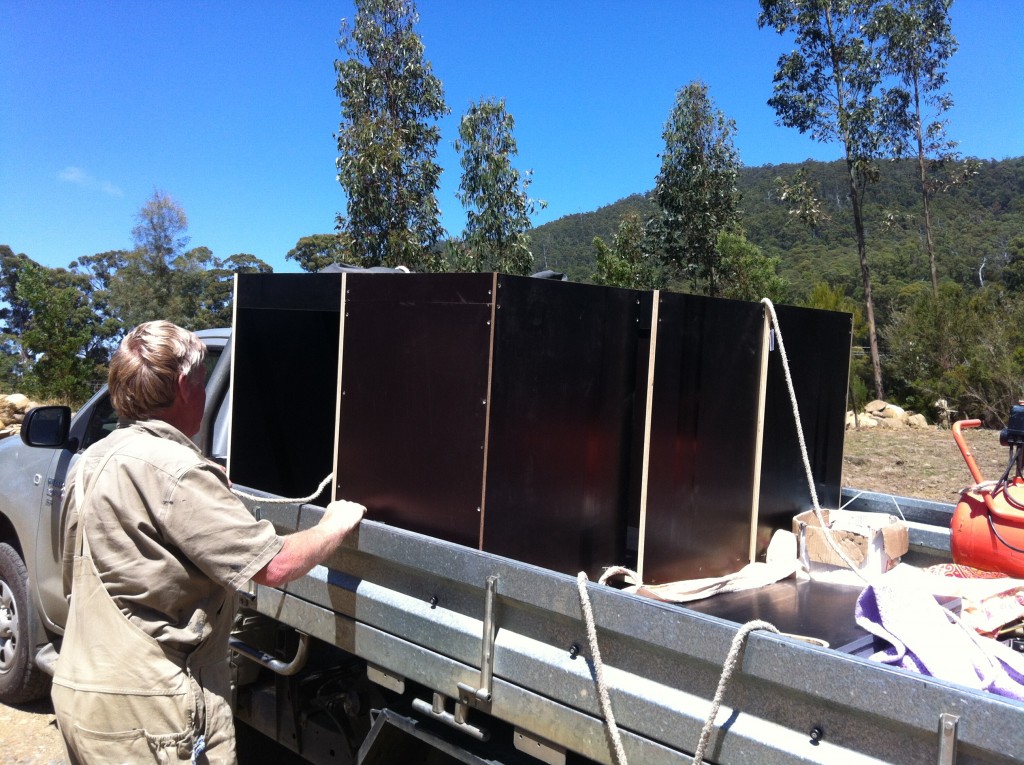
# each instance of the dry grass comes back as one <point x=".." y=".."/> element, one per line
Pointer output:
<point x="918" y="463"/>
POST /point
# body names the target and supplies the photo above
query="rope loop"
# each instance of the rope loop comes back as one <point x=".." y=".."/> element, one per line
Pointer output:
<point x="285" y="500"/>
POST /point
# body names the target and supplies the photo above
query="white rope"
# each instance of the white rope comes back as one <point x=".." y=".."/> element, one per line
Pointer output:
<point x="826" y="531"/>
<point x="898" y="508"/>
<point x="731" y="662"/>
<point x="285" y="500"/>
<point x="627" y="573"/>
<point x="611" y="728"/>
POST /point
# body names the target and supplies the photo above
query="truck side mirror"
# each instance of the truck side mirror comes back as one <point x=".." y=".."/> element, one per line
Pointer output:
<point x="47" y="426"/>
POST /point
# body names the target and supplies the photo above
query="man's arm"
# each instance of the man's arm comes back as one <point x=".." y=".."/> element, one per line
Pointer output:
<point x="310" y="547"/>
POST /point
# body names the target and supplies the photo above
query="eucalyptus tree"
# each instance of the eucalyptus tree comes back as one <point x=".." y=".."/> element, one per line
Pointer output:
<point x="917" y="42"/>
<point x="142" y="287"/>
<point x="631" y="260"/>
<point x="160" y="237"/>
<point x="696" y="187"/>
<point x="317" y="251"/>
<point x="493" y="192"/>
<point x="160" y="278"/>
<point x="388" y="136"/>
<point x="830" y="86"/>
<point x="748" y="273"/>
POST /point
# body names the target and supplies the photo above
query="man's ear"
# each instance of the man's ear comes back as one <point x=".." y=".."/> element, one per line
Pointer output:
<point x="184" y="390"/>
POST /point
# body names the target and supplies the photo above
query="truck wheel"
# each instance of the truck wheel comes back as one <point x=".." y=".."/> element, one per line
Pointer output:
<point x="20" y="679"/>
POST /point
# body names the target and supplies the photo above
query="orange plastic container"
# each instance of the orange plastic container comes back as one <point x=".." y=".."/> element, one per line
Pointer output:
<point x="987" y="529"/>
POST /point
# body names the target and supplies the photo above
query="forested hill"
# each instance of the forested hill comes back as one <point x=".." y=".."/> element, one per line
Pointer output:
<point x="974" y="225"/>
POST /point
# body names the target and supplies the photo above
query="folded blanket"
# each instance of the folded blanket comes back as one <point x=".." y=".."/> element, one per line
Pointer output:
<point x="781" y="563"/>
<point x="922" y="636"/>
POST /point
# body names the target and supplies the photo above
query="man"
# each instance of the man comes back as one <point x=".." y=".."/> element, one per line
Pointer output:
<point x="156" y="546"/>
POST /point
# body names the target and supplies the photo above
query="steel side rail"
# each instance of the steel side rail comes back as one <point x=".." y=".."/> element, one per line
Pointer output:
<point x="414" y="606"/>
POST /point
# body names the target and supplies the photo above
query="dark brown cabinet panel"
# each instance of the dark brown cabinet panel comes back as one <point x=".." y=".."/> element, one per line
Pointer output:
<point x="702" y="438"/>
<point x="511" y="414"/>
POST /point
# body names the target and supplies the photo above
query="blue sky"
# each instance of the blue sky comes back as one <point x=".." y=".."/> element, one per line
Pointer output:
<point x="229" y="107"/>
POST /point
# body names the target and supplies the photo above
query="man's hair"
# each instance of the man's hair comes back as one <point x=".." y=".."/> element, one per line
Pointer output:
<point x="144" y="371"/>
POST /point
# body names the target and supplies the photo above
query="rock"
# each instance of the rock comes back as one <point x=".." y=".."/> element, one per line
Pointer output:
<point x="892" y="412"/>
<point x="891" y="423"/>
<point x="917" y="421"/>
<point x="875" y="406"/>
<point x="867" y="421"/>
<point x="18" y="402"/>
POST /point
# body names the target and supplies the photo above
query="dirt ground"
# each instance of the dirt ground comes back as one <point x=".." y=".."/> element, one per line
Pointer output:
<point x="914" y="463"/>
<point x="28" y="735"/>
<point x="919" y="463"/>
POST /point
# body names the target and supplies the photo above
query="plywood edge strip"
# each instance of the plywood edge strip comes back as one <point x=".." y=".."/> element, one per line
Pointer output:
<point x="762" y="394"/>
<point x="487" y="407"/>
<point x="343" y="309"/>
<point x="649" y="406"/>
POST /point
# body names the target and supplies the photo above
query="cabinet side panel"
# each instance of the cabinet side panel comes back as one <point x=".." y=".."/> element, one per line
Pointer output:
<point x="413" y="404"/>
<point x="285" y="381"/>
<point x="818" y="348"/>
<point x="703" y="426"/>
<point x="569" y="366"/>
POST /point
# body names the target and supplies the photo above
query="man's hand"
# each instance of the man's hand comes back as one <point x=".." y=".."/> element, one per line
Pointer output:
<point x="305" y="549"/>
<point x="341" y="517"/>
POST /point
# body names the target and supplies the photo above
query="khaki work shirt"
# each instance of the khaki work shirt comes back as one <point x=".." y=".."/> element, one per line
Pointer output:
<point x="171" y="543"/>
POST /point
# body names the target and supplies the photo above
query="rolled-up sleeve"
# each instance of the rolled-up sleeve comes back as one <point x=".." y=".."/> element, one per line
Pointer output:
<point x="214" y="529"/>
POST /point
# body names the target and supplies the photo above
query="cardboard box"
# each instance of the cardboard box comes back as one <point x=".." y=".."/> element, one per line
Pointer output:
<point x="874" y="541"/>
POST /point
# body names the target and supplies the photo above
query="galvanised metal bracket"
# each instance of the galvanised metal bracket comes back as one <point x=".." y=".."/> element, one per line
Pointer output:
<point x="480" y="698"/>
<point x="947" y="738"/>
<point x="457" y="720"/>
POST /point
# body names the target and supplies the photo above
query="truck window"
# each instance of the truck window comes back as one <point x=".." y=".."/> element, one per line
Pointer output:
<point x="102" y="422"/>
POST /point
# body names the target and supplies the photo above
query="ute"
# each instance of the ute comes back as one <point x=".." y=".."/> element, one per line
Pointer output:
<point x="409" y="647"/>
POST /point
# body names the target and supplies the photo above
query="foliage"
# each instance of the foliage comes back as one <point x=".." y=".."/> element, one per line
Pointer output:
<point x="1013" y="271"/>
<point x="566" y="244"/>
<point x="142" y="287"/>
<point x="160" y="237"/>
<point x="98" y="282"/>
<point x="696" y="187"/>
<point x="56" y="336"/>
<point x="985" y="330"/>
<point x="316" y="252"/>
<point x="159" y="279"/>
<point x="830" y="86"/>
<point x="630" y="261"/>
<point x="14" y="314"/>
<point x="801" y="196"/>
<point x="917" y="43"/>
<point x="493" y="191"/>
<point x="825" y="297"/>
<point x="387" y="139"/>
<point x="748" y="274"/>
<point x="61" y="326"/>
<point x="975" y="224"/>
